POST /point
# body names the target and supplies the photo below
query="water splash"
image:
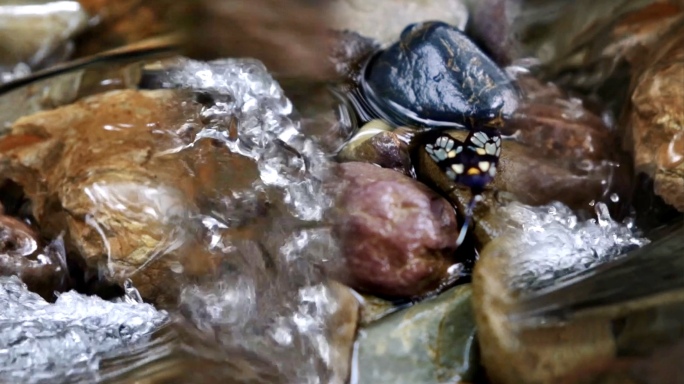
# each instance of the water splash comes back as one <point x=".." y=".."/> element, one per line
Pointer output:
<point x="17" y="72"/>
<point x="47" y="343"/>
<point x="265" y="308"/>
<point x="270" y="301"/>
<point x="558" y="243"/>
<point x="249" y="112"/>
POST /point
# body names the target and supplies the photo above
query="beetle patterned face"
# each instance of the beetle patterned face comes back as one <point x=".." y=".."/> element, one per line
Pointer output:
<point x="472" y="163"/>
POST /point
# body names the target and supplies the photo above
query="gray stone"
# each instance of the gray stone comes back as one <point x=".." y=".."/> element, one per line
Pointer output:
<point x="431" y="342"/>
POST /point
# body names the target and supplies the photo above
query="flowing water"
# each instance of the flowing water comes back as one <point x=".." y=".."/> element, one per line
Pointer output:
<point x="558" y="243"/>
<point x="265" y="316"/>
<point x="269" y="315"/>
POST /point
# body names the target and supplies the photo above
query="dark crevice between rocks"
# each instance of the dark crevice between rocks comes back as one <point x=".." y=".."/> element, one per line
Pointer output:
<point x="651" y="210"/>
<point x="15" y="203"/>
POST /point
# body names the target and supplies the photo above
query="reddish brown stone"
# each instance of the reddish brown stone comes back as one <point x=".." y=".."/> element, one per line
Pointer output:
<point x="397" y="235"/>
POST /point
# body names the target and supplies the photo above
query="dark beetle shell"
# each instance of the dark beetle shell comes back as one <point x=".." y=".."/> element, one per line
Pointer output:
<point x="435" y="76"/>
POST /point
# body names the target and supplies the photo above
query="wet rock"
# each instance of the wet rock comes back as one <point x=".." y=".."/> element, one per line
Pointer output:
<point x="431" y="342"/>
<point x="586" y="42"/>
<point x="557" y="150"/>
<point x="374" y="308"/>
<point x="662" y="367"/>
<point x="41" y="267"/>
<point x="99" y="169"/>
<point x="528" y="323"/>
<point x="38" y="38"/>
<point x="397" y="236"/>
<point x="436" y="76"/>
<point x="534" y="355"/>
<point x="118" y="23"/>
<point x="376" y="144"/>
<point x="654" y="119"/>
<point x="372" y="19"/>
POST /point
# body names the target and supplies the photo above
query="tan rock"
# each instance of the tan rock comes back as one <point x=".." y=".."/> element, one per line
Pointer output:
<point x="538" y="355"/>
<point x="114" y="170"/>
<point x="654" y="119"/>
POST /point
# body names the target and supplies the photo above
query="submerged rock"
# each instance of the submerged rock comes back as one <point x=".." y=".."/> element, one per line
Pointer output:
<point x="97" y="169"/>
<point x="397" y="236"/>
<point x="219" y="197"/>
<point x="265" y="340"/>
<point x="539" y="246"/>
<point x="560" y="126"/>
<point x="432" y="342"/>
<point x="544" y="355"/>
<point x="654" y="119"/>
<point x="435" y="76"/>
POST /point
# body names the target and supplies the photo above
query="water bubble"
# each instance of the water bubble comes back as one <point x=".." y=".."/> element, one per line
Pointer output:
<point x="44" y="342"/>
<point x="614" y="198"/>
<point x="559" y="243"/>
<point x="456" y="269"/>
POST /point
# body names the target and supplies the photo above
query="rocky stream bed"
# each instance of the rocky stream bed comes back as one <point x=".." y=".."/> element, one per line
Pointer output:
<point x="424" y="192"/>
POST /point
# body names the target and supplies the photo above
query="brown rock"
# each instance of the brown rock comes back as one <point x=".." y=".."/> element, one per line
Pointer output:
<point x="288" y="36"/>
<point x="396" y="234"/>
<point x="376" y="144"/>
<point x="654" y="119"/>
<point x="533" y="355"/>
<point x="559" y="126"/>
<point x="101" y="171"/>
<point x="119" y="23"/>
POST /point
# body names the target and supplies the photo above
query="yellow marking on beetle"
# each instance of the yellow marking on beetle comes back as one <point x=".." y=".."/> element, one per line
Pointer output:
<point x="473" y="171"/>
